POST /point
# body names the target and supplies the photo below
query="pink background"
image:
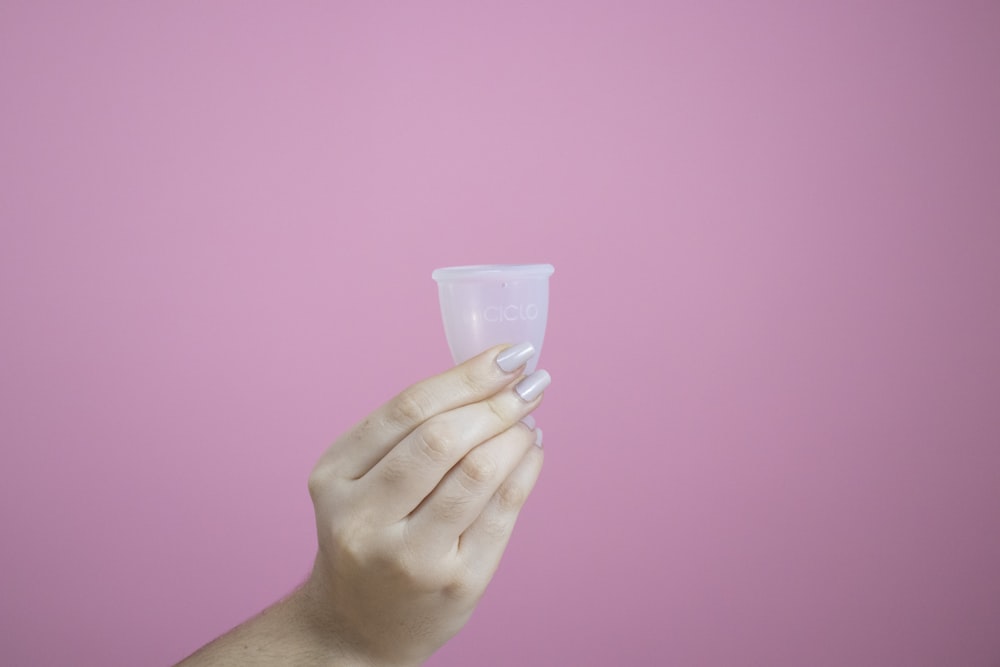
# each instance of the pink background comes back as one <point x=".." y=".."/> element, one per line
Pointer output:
<point x="773" y="436"/>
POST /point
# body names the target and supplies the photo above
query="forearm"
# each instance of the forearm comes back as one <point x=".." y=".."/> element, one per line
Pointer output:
<point x="287" y="634"/>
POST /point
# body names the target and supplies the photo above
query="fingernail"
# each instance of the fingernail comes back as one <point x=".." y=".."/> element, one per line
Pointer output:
<point x="530" y="387"/>
<point x="529" y="421"/>
<point x="538" y="437"/>
<point x="515" y="356"/>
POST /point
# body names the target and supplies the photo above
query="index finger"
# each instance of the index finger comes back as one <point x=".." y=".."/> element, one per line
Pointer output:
<point x="484" y="375"/>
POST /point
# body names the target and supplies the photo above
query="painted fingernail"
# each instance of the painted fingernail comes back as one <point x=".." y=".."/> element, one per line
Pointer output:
<point x="538" y="437"/>
<point x="530" y="387"/>
<point x="515" y="356"/>
<point x="529" y="421"/>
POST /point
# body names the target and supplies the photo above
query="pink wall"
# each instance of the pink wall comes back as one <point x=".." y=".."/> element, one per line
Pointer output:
<point x="773" y="437"/>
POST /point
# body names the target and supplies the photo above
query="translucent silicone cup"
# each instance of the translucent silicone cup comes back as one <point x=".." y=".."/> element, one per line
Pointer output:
<point x="483" y="306"/>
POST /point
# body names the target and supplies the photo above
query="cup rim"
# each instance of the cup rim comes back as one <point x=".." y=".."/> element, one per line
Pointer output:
<point x="476" y="271"/>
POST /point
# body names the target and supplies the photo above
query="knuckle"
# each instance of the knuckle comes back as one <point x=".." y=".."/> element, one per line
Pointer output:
<point x="463" y="586"/>
<point x="412" y="406"/>
<point x="478" y="468"/>
<point x="474" y="383"/>
<point x="498" y="412"/>
<point x="497" y="528"/>
<point x="435" y="442"/>
<point x="394" y="470"/>
<point x="363" y="430"/>
<point x="397" y="564"/>
<point x="316" y="483"/>
<point x="319" y="482"/>
<point x="511" y="497"/>
<point x="350" y="542"/>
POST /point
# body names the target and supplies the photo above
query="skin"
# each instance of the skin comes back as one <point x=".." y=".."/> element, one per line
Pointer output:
<point x="414" y="508"/>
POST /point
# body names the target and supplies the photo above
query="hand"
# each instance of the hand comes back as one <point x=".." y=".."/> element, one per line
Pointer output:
<point x="415" y="505"/>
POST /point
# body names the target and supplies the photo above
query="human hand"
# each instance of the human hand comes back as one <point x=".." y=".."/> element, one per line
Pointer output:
<point x="415" y="505"/>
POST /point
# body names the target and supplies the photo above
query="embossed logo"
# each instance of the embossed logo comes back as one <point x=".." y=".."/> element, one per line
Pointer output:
<point x="511" y="313"/>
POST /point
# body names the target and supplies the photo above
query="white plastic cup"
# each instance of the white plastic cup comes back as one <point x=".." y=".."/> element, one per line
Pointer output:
<point x="490" y="304"/>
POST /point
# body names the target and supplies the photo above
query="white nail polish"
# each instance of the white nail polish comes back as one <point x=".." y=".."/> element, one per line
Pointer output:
<point x="538" y="437"/>
<point x="529" y="421"/>
<point x="530" y="387"/>
<point x="515" y="356"/>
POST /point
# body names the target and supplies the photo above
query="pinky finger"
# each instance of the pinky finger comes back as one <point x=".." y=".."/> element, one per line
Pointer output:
<point x="482" y="544"/>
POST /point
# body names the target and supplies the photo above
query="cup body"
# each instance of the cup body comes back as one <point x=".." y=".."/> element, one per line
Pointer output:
<point x="483" y="306"/>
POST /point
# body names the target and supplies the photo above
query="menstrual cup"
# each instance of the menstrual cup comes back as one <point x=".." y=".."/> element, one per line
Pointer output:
<point x="486" y="305"/>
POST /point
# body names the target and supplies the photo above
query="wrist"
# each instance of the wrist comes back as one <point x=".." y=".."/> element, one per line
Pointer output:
<point x="309" y="605"/>
<point x="334" y="634"/>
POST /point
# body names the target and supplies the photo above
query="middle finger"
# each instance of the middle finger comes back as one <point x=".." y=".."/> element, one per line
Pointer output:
<point x="459" y="499"/>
